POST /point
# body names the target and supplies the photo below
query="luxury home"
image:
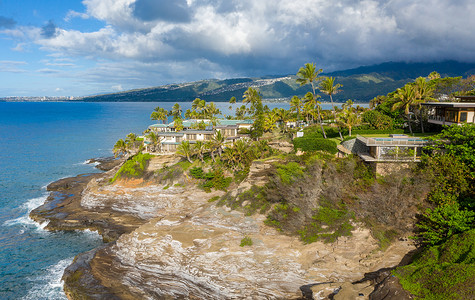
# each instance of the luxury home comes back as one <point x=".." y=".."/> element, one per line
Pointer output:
<point x="448" y="113"/>
<point x="194" y="130"/>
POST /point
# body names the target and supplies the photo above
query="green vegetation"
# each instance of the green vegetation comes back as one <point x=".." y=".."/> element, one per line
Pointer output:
<point x="328" y="224"/>
<point x="211" y="180"/>
<point x="446" y="271"/>
<point x="133" y="167"/>
<point x="246" y="241"/>
<point x="315" y="144"/>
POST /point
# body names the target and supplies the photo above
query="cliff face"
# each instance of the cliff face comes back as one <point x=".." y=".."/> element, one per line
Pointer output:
<point x="170" y="242"/>
<point x="184" y="247"/>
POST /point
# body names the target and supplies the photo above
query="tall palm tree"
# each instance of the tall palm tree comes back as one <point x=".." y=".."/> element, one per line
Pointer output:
<point x="130" y="141"/>
<point x="185" y="150"/>
<point x="270" y="120"/>
<point x="197" y="106"/>
<point x="176" y="111"/>
<point x="218" y="141"/>
<point x="328" y="87"/>
<point x="424" y="93"/>
<point x="154" y="139"/>
<point x="296" y="105"/>
<point x="159" y="114"/>
<point x="232" y="101"/>
<point x="405" y="97"/>
<point x="120" y="148"/>
<point x="309" y="75"/>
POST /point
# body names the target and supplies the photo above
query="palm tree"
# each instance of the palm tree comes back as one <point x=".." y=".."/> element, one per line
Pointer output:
<point x="232" y="101"/>
<point x="176" y="111"/>
<point x="405" y="97"/>
<point x="296" y="106"/>
<point x="270" y="120"/>
<point x="120" y="148"/>
<point x="284" y="117"/>
<point x="309" y="74"/>
<point x="328" y="87"/>
<point x="210" y="110"/>
<point x="159" y="114"/>
<point x="185" y="150"/>
<point x="197" y="106"/>
<point x="131" y="140"/>
<point x="218" y="141"/>
<point x="154" y="138"/>
<point x="349" y="118"/>
<point x="199" y="148"/>
<point x="424" y="93"/>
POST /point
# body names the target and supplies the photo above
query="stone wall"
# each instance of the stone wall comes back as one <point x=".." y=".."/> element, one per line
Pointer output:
<point x="355" y="146"/>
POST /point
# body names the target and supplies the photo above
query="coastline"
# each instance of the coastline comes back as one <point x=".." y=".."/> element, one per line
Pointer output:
<point x="185" y="219"/>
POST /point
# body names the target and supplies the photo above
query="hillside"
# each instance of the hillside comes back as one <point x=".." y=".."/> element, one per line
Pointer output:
<point x="360" y="84"/>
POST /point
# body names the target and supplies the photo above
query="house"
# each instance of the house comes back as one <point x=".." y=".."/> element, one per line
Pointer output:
<point x="448" y="113"/>
<point x="197" y="130"/>
<point x="388" y="154"/>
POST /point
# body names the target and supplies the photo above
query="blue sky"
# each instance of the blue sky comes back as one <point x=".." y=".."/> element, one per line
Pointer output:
<point x="54" y="47"/>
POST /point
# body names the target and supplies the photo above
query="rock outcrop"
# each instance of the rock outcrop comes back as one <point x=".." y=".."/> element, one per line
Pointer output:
<point x="171" y="242"/>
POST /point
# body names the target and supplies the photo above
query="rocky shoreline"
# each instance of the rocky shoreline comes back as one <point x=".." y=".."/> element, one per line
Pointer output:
<point x="169" y="242"/>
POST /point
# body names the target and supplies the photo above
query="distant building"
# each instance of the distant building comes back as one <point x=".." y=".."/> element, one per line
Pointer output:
<point x="448" y="113"/>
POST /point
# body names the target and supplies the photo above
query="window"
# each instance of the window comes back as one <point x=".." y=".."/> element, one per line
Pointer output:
<point x="463" y="116"/>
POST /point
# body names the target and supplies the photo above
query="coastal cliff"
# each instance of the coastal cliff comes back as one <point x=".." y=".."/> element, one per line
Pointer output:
<point x="169" y="240"/>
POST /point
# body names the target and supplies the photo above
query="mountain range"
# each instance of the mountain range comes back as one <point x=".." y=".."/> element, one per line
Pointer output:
<point x="359" y="84"/>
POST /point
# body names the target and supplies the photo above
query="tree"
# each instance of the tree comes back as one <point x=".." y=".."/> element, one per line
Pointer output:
<point x="349" y="118"/>
<point x="232" y="101"/>
<point x="405" y="98"/>
<point x="198" y="106"/>
<point x="185" y="150"/>
<point x="284" y="117"/>
<point x="270" y="120"/>
<point x="178" y="123"/>
<point x="176" y="111"/>
<point x="253" y="97"/>
<point x="154" y="139"/>
<point x="159" y="114"/>
<point x="423" y="93"/>
<point x="130" y="141"/>
<point x="199" y="148"/>
<point x="296" y="105"/>
<point x="218" y="141"/>
<point x="328" y="87"/>
<point x="120" y="148"/>
<point x="309" y="74"/>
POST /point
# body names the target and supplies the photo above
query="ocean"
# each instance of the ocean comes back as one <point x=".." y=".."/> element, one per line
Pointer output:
<point x="41" y="142"/>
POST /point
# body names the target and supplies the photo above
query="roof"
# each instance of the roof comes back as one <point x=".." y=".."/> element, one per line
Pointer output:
<point x="405" y="142"/>
<point x="159" y="125"/>
<point x="170" y="133"/>
<point x="192" y="131"/>
<point x="451" y="104"/>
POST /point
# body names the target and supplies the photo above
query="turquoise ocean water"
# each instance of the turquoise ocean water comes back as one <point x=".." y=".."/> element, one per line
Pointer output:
<point x="41" y="143"/>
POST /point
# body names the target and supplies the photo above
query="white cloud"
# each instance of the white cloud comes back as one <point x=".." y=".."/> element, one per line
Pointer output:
<point x="219" y="38"/>
<point x="74" y="14"/>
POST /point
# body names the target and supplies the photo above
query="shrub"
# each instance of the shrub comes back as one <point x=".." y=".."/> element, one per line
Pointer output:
<point x="289" y="173"/>
<point x="446" y="271"/>
<point x="133" y="167"/>
<point x="212" y="180"/>
<point x="328" y="224"/>
<point x="246" y="241"/>
<point x="439" y="224"/>
<point x="315" y="144"/>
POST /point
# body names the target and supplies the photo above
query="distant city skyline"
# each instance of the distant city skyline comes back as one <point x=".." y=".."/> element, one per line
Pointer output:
<point x="77" y="48"/>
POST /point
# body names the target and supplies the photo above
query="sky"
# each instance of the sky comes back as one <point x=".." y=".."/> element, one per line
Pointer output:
<point x="75" y="48"/>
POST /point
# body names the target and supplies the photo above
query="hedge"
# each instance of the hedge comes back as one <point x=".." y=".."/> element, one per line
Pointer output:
<point x="314" y="144"/>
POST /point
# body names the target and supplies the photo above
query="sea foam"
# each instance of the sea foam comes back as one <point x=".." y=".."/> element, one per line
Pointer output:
<point x="49" y="285"/>
<point x="25" y="219"/>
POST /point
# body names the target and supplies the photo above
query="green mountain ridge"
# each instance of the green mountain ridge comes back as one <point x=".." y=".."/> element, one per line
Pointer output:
<point x="360" y="84"/>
